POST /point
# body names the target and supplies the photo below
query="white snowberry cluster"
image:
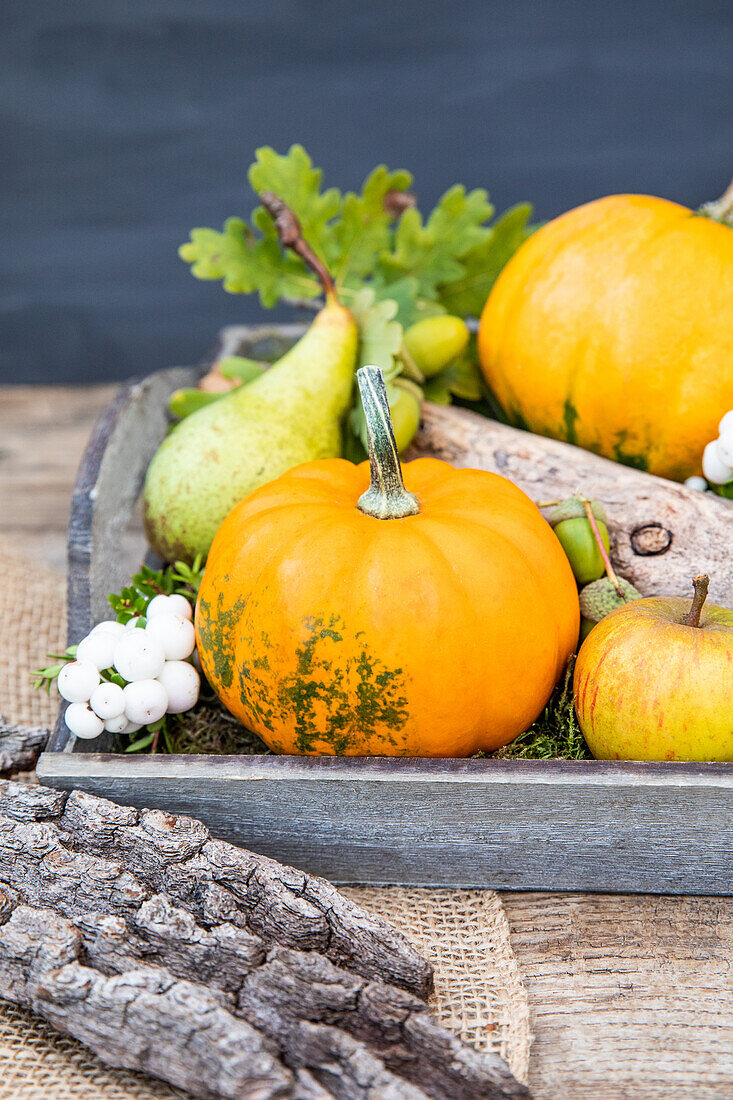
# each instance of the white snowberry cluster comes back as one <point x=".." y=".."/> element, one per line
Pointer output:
<point x="151" y="659"/>
<point x="717" y="459"/>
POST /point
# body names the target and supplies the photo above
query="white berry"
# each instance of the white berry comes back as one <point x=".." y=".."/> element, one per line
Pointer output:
<point x="725" y="446"/>
<point x="118" y="724"/>
<point x="159" y="605"/>
<point x="182" y="684"/>
<point x="699" y="484"/>
<point x="132" y="727"/>
<point x="111" y="626"/>
<point x="98" y="647"/>
<point x="713" y="465"/>
<point x="77" y="681"/>
<point x="138" y="656"/>
<point x="145" y="701"/>
<point x="175" y="635"/>
<point x="107" y="701"/>
<point x="131" y="624"/>
<point x="82" y="721"/>
<point x="726" y="424"/>
<point x="179" y="605"/>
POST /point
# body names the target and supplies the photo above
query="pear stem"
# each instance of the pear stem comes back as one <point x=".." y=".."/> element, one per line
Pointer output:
<point x="701" y="583"/>
<point x="610" y="571"/>
<point x="291" y="236"/>
<point x="386" y="497"/>
<point x="721" y="210"/>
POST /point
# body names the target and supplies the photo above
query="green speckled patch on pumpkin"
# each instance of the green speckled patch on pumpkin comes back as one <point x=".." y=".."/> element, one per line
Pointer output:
<point x="329" y="701"/>
<point x="517" y="420"/>
<point x="570" y="417"/>
<point x="217" y="631"/>
<point x="628" y="458"/>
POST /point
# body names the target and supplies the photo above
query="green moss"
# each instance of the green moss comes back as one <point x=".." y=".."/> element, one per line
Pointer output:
<point x="556" y="734"/>
<point x="210" y="729"/>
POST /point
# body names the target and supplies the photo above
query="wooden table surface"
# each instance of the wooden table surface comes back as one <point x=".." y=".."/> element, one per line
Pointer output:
<point x="631" y="996"/>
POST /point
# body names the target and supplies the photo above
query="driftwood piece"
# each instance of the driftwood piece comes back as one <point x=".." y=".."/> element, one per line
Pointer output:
<point x="20" y="747"/>
<point x="662" y="534"/>
<point x="192" y="934"/>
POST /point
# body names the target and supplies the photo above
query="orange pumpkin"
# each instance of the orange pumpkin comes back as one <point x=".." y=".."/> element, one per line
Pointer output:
<point x="612" y="328"/>
<point x="432" y="620"/>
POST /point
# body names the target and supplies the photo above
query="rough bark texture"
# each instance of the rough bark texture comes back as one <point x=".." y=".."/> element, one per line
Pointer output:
<point x="219" y="970"/>
<point x="20" y="747"/>
<point x="662" y="533"/>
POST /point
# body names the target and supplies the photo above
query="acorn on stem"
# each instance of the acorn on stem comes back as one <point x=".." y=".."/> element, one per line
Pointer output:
<point x="571" y="524"/>
<point x="600" y="598"/>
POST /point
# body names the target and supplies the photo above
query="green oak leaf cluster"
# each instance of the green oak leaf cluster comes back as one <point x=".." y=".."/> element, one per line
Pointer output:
<point x="392" y="265"/>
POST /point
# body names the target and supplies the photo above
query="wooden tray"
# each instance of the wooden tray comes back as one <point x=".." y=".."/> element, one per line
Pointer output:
<point x="506" y="824"/>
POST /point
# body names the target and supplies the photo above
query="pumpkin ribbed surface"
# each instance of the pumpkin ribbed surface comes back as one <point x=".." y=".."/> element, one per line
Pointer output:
<point x="326" y="630"/>
<point x="612" y="328"/>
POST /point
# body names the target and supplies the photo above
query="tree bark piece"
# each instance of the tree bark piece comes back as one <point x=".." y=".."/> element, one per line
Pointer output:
<point x="219" y="882"/>
<point x="662" y="534"/>
<point x="20" y="747"/>
<point x="142" y="1019"/>
<point x="293" y="987"/>
<point x="148" y="904"/>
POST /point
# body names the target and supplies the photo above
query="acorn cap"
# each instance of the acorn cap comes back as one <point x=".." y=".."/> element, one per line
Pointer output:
<point x="572" y="508"/>
<point x="600" y="598"/>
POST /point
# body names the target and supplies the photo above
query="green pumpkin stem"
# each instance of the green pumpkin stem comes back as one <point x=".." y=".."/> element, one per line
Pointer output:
<point x="386" y="497"/>
<point x="701" y="583"/>
<point x="610" y="571"/>
<point x="721" y="210"/>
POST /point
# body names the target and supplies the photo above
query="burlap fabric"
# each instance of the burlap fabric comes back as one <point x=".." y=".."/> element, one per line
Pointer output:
<point x="479" y="991"/>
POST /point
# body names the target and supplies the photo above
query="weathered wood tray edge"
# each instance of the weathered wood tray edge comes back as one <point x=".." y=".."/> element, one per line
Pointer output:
<point x="554" y="825"/>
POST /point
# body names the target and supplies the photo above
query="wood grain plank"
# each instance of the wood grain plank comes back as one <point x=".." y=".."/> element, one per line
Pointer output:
<point x="467" y="823"/>
<point x="631" y="996"/>
<point x="43" y="432"/>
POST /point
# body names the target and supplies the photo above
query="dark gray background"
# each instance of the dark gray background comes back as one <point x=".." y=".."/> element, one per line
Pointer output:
<point x="126" y="122"/>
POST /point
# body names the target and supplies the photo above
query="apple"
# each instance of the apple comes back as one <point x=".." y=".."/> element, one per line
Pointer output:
<point x="654" y="681"/>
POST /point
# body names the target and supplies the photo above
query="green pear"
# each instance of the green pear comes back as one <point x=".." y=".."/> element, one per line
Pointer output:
<point x="291" y="414"/>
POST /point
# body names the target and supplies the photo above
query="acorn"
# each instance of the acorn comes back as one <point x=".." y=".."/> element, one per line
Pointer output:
<point x="600" y="598"/>
<point x="572" y="527"/>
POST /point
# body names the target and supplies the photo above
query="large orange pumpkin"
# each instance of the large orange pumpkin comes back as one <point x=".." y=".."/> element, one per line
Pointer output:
<point x="431" y="620"/>
<point x="612" y="328"/>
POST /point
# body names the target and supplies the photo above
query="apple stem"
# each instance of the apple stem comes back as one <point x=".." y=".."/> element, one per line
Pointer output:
<point x="701" y="583"/>
<point x="610" y="571"/>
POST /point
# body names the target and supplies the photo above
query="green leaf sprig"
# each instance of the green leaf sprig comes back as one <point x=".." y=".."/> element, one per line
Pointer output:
<point x="179" y="578"/>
